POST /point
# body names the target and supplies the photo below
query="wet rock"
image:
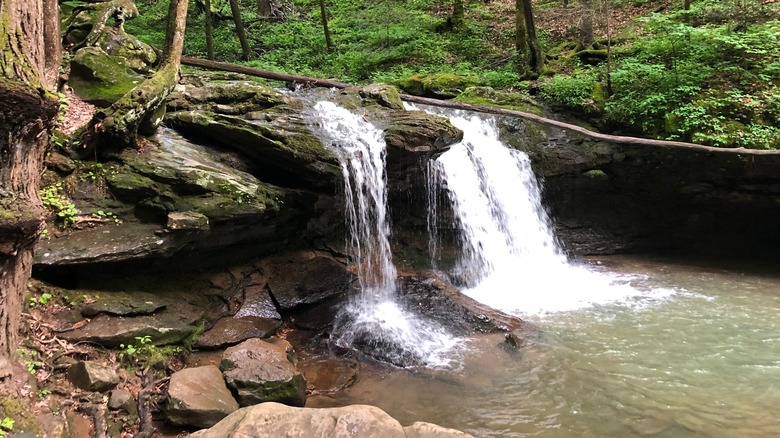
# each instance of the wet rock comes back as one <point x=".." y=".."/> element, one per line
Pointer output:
<point x="292" y="285"/>
<point x="259" y="371"/>
<point x="270" y="420"/>
<point x="163" y="329"/>
<point x="123" y="303"/>
<point x="258" y="303"/>
<point x="231" y="331"/>
<point x="421" y="429"/>
<point x="412" y="136"/>
<point x="384" y="94"/>
<point x="93" y="376"/>
<point x="329" y="375"/>
<point x="198" y="397"/>
<point x="187" y="220"/>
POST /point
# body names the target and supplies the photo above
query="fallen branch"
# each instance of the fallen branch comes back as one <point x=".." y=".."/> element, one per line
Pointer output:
<point x="317" y="82"/>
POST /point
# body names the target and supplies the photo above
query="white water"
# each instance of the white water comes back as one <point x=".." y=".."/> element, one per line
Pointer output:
<point x="374" y="322"/>
<point x="510" y="258"/>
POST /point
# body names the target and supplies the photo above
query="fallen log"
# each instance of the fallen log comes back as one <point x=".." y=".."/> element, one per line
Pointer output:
<point x="268" y="74"/>
<point x="317" y="82"/>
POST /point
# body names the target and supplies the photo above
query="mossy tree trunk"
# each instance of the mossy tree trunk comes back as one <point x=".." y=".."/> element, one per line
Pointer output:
<point x="526" y="40"/>
<point x="209" y="30"/>
<point x="457" y="13"/>
<point x="246" y="52"/>
<point x="118" y="125"/>
<point x="27" y="116"/>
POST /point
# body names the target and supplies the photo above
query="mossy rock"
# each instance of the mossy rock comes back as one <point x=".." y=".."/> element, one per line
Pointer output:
<point x="99" y="78"/>
<point x="439" y="85"/>
<point x="283" y="148"/>
<point x="243" y="96"/>
<point x="487" y="96"/>
<point x="137" y="55"/>
<point x="383" y="94"/>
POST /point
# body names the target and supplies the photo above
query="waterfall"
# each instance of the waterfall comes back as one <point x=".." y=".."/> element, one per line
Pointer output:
<point x="509" y="257"/>
<point x="374" y="321"/>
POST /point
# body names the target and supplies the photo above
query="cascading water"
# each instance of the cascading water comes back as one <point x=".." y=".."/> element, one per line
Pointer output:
<point x="510" y="258"/>
<point x="374" y="322"/>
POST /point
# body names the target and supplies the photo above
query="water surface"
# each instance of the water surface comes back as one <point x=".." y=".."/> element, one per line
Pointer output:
<point x="701" y="358"/>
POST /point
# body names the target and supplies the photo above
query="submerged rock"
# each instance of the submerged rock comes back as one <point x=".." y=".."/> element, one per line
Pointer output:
<point x="198" y="397"/>
<point x="273" y="420"/>
<point x="259" y="371"/>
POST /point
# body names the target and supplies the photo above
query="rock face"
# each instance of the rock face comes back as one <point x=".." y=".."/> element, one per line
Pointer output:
<point x="198" y="397"/>
<point x="92" y="376"/>
<point x="259" y="371"/>
<point x="610" y="197"/>
<point x="274" y="420"/>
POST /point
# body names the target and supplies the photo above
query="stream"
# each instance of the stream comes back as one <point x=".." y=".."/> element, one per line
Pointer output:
<point x="702" y="360"/>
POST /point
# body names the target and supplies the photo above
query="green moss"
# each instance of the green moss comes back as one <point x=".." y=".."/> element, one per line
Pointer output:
<point x="100" y="78"/>
<point x="487" y="96"/>
<point x="443" y="85"/>
<point x="23" y="416"/>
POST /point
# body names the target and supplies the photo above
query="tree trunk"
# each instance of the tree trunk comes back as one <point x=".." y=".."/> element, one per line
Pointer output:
<point x="27" y="112"/>
<point x="521" y="39"/>
<point x="687" y="5"/>
<point x="324" y="13"/>
<point x="240" y="31"/>
<point x="264" y="8"/>
<point x="118" y="125"/>
<point x="536" y="60"/>
<point x="209" y="31"/>
<point x="586" y="26"/>
<point x="457" y="13"/>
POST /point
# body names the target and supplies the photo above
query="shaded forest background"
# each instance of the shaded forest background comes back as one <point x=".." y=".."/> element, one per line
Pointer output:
<point x="707" y="74"/>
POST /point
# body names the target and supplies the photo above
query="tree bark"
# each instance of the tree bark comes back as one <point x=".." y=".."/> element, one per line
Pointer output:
<point x="240" y="31"/>
<point x="27" y="113"/>
<point x="324" y="13"/>
<point x="586" y="26"/>
<point x="537" y="59"/>
<point x="264" y="8"/>
<point x="457" y="13"/>
<point x="209" y="30"/>
<point x="521" y="39"/>
<point x="118" y="125"/>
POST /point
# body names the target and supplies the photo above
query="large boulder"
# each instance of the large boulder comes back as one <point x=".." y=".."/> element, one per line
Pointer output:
<point x="292" y="286"/>
<point x="100" y="78"/>
<point x="198" y="397"/>
<point x="274" y="420"/>
<point x="161" y="328"/>
<point x="259" y="371"/>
